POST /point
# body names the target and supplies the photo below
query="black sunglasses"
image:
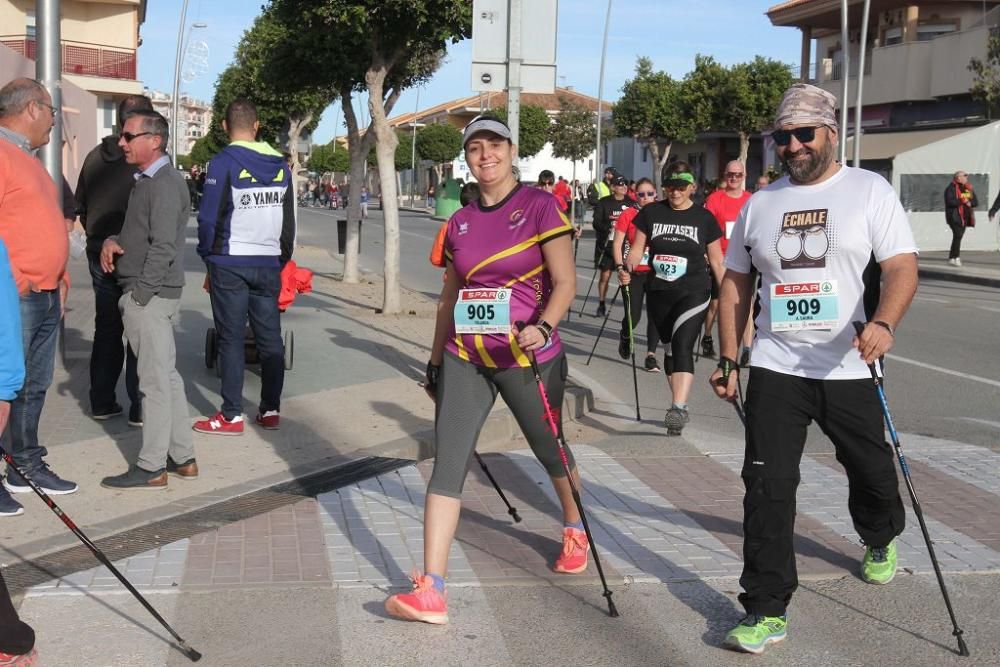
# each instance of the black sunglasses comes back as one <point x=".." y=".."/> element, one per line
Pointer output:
<point x="547" y="182"/>
<point x="645" y="194"/>
<point x="803" y="134"/>
<point x="128" y="136"/>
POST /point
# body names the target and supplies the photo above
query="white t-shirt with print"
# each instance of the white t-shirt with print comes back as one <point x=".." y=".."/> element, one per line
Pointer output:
<point x="815" y="247"/>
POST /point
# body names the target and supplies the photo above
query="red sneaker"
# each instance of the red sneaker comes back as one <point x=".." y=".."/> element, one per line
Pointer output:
<point x="268" y="420"/>
<point x="24" y="660"/>
<point x="573" y="558"/>
<point x="424" y="603"/>
<point x="219" y="425"/>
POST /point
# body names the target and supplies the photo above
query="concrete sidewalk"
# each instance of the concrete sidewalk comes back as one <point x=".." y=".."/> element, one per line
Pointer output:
<point x="979" y="267"/>
<point x="352" y="393"/>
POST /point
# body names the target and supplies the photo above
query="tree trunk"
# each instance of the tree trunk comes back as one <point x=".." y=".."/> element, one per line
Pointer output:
<point x="385" y="152"/>
<point x="659" y="160"/>
<point x="357" y="147"/>
<point x="295" y="127"/>
<point x="744" y="148"/>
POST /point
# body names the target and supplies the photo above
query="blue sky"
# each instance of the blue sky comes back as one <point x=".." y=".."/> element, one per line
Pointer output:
<point x="670" y="32"/>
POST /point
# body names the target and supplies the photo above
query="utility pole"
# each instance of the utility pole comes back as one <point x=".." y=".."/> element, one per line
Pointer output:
<point x="845" y="73"/>
<point x="174" y="124"/>
<point x="48" y="72"/>
<point x="514" y="69"/>
<point x="600" y="93"/>
<point x="861" y="85"/>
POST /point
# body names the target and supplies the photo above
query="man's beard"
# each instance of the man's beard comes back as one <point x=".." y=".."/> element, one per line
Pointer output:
<point x="811" y="168"/>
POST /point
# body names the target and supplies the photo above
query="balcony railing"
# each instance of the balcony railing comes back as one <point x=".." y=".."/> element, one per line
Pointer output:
<point x="838" y="68"/>
<point x="82" y="58"/>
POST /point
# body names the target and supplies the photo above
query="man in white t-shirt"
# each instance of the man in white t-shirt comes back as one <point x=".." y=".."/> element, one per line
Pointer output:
<point x="822" y="238"/>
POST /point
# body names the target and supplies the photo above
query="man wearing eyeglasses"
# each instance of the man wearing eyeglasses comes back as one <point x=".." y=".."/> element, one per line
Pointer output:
<point x="725" y="204"/>
<point x="147" y="257"/>
<point x="33" y="228"/>
<point x="822" y="237"/>
<point x="102" y="193"/>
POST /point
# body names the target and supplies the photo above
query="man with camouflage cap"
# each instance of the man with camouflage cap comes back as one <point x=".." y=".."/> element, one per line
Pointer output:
<point x="821" y="237"/>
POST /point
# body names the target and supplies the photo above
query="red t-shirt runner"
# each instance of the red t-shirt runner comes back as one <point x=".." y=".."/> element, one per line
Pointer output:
<point x="726" y="209"/>
<point x="625" y="226"/>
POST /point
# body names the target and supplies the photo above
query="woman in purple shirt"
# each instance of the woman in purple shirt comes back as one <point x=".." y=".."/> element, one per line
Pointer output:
<point x="510" y="258"/>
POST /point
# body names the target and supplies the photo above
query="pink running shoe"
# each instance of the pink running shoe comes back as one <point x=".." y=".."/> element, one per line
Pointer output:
<point x="28" y="659"/>
<point x="423" y="603"/>
<point x="573" y="558"/>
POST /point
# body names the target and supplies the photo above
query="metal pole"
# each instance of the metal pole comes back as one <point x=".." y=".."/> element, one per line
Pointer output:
<point x="177" y="84"/>
<point x="861" y="84"/>
<point x="845" y="60"/>
<point x="600" y="93"/>
<point x="48" y="72"/>
<point x="413" y="148"/>
<point x="514" y="70"/>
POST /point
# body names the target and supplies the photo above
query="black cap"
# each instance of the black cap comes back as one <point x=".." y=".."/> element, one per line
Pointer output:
<point x="619" y="180"/>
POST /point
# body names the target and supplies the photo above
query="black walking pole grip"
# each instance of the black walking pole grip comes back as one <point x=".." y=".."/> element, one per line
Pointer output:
<point x="963" y="650"/>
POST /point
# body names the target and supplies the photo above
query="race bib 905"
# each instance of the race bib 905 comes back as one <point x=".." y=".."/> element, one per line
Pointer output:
<point x="482" y="311"/>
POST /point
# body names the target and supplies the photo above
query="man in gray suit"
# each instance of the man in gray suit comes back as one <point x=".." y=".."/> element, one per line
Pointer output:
<point x="150" y="269"/>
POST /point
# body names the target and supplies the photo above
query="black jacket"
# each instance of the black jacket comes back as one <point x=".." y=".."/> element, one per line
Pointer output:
<point x="957" y="212"/>
<point x="102" y="192"/>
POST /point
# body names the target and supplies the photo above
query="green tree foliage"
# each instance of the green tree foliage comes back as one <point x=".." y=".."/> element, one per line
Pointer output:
<point x="653" y="109"/>
<point x="383" y="47"/>
<point x="533" y="131"/>
<point x="439" y="143"/>
<point x="204" y="149"/>
<point x="573" y="132"/>
<point x="325" y="159"/>
<point x="986" y="73"/>
<point x="281" y="104"/>
<point x="750" y="98"/>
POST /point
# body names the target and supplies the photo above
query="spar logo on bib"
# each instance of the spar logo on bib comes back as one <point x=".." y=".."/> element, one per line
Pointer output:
<point x="803" y="289"/>
<point x="803" y="241"/>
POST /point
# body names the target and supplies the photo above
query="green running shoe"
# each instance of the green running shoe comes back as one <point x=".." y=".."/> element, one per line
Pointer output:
<point x="879" y="565"/>
<point x="754" y="633"/>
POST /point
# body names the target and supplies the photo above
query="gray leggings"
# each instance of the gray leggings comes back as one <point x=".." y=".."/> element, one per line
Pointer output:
<point x="465" y="395"/>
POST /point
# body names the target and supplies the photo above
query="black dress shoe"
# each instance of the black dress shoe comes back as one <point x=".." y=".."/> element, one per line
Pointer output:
<point x="137" y="478"/>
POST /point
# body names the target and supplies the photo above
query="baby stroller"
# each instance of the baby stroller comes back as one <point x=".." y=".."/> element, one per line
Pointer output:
<point x="294" y="280"/>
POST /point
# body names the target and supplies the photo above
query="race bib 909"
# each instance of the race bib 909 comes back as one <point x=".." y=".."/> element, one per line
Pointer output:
<point x="804" y="306"/>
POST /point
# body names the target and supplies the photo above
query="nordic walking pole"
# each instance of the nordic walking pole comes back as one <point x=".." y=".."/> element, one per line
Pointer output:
<point x="627" y="300"/>
<point x="597" y="269"/>
<point x="963" y="650"/>
<point x="192" y="654"/>
<point x="603" y="324"/>
<point x="561" y="444"/>
<point x="510" y="508"/>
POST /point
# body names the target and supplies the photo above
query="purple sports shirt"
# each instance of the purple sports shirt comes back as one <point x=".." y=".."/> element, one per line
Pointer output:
<point x="501" y="246"/>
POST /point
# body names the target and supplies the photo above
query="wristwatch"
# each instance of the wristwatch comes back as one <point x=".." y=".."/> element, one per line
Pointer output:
<point x="545" y="328"/>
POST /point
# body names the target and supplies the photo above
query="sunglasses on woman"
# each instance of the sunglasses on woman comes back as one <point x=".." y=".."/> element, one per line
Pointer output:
<point x="645" y="195"/>
<point x="803" y="134"/>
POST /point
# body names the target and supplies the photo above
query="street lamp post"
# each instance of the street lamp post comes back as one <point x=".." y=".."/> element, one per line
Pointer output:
<point x="600" y="93"/>
<point x="413" y="147"/>
<point x="48" y="71"/>
<point x="175" y="100"/>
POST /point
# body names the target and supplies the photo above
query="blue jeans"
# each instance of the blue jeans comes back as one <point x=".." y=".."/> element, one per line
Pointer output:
<point x="238" y="293"/>
<point x="108" y="352"/>
<point x="40" y="315"/>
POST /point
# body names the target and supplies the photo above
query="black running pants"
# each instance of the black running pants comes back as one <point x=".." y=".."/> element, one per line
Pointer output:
<point x="779" y="409"/>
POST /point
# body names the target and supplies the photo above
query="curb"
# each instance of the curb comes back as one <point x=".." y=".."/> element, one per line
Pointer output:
<point x="958" y="277"/>
<point x="499" y="434"/>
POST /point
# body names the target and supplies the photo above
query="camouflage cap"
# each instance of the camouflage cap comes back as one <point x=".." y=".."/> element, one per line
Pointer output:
<point x="804" y="104"/>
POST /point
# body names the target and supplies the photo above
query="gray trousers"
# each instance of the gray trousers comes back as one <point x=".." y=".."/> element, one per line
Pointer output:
<point x="166" y="424"/>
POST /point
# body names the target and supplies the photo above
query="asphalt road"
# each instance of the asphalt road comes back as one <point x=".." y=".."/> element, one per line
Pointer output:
<point x="942" y="376"/>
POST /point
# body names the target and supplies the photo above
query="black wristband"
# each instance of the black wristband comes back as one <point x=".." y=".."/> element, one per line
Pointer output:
<point x="727" y="366"/>
<point x="885" y="325"/>
<point x="432" y="373"/>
